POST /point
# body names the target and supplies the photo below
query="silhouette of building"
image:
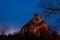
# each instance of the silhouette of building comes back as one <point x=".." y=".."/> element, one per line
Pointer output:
<point x="34" y="26"/>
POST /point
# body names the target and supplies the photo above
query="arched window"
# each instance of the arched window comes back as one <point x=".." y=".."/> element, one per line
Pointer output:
<point x="37" y="19"/>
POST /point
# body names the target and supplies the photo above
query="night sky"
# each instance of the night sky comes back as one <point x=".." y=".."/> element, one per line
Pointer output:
<point x="17" y="13"/>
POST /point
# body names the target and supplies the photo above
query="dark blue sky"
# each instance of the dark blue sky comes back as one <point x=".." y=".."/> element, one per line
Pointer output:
<point x="17" y="13"/>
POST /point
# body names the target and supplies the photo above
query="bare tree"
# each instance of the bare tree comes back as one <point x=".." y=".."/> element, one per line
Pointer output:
<point x="4" y="29"/>
<point x="58" y="19"/>
<point x="49" y="7"/>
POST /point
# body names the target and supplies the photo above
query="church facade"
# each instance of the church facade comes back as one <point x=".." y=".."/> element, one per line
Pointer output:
<point x="35" y="26"/>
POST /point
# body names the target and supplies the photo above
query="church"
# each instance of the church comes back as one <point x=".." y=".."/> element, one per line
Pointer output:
<point x="36" y="26"/>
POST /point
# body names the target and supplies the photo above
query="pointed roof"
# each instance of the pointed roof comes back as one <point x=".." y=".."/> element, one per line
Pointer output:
<point x="35" y="21"/>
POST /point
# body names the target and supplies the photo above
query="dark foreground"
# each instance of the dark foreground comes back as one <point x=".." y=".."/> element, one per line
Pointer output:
<point x="26" y="37"/>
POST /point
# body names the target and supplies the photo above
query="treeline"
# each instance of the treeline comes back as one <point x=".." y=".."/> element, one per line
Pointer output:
<point x="44" y="35"/>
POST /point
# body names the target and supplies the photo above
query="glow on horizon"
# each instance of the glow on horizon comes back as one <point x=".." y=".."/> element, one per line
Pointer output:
<point x="12" y="31"/>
